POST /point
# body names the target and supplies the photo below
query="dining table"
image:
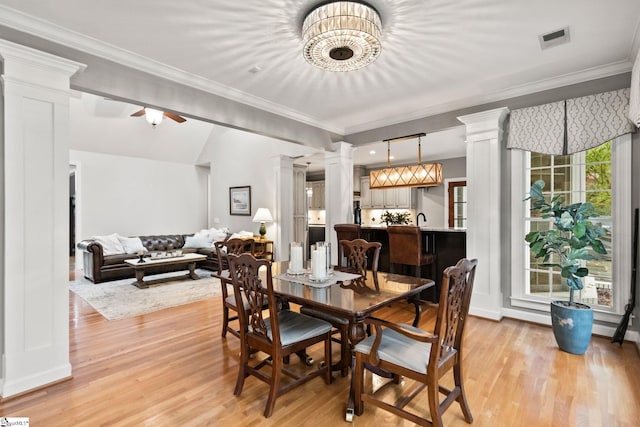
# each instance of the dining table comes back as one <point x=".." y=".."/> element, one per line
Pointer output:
<point x="353" y="299"/>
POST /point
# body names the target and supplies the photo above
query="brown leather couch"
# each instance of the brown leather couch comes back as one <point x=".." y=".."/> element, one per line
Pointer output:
<point x="101" y="268"/>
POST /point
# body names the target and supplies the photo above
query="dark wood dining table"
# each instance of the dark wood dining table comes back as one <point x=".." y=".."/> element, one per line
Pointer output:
<point x="352" y="300"/>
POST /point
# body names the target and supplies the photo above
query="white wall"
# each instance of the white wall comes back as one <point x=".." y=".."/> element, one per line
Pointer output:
<point x="133" y="196"/>
<point x="431" y="200"/>
<point x="236" y="159"/>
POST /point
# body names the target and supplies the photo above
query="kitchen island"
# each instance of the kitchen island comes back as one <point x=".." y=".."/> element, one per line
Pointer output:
<point x="448" y="244"/>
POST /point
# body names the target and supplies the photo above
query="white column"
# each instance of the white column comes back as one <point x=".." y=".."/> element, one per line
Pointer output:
<point x="484" y="213"/>
<point x="35" y="229"/>
<point x="283" y="216"/>
<point x="338" y="190"/>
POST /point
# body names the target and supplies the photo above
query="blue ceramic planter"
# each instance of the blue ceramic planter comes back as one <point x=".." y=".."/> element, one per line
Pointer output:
<point x="572" y="326"/>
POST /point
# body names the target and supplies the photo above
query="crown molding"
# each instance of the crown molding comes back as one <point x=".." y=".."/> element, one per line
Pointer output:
<point x="527" y="89"/>
<point x="38" y="27"/>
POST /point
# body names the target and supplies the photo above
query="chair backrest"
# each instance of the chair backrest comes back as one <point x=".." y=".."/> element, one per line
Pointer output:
<point x="232" y="246"/>
<point x="455" y="298"/>
<point x="358" y="252"/>
<point x="244" y="270"/>
<point x="346" y="232"/>
<point x="405" y="244"/>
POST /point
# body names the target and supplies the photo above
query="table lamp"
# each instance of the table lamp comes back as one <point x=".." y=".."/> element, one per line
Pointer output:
<point x="263" y="215"/>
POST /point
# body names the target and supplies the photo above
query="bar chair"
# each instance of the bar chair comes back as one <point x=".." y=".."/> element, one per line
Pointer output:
<point x="406" y="247"/>
<point x="424" y="357"/>
<point x="282" y="333"/>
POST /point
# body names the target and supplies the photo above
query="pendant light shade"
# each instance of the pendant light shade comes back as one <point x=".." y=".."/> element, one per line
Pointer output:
<point x="420" y="175"/>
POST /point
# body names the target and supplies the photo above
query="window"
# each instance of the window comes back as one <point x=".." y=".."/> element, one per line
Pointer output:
<point x="599" y="176"/>
<point x="457" y="203"/>
<point x="582" y="177"/>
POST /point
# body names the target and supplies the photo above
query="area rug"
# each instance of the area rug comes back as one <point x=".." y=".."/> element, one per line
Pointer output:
<point x="119" y="299"/>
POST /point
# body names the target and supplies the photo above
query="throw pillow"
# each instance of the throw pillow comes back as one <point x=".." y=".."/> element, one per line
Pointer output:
<point x="197" y="242"/>
<point x="217" y="235"/>
<point x="110" y="244"/>
<point x="131" y="245"/>
<point x="241" y="235"/>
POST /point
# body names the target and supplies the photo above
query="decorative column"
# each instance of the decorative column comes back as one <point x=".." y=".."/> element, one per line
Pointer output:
<point x="35" y="228"/>
<point x="484" y="209"/>
<point x="284" y="212"/>
<point x="300" y="213"/>
<point x="338" y="192"/>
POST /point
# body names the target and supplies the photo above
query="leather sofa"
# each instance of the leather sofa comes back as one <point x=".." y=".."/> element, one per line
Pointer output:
<point x="101" y="268"/>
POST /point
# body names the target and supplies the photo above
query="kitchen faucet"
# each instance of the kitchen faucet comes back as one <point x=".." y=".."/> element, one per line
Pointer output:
<point x="424" y="217"/>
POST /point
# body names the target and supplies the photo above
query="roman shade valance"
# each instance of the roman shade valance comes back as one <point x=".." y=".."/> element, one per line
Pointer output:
<point x="571" y="126"/>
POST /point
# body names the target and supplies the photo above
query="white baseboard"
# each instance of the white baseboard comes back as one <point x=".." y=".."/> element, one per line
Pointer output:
<point x="545" y="319"/>
<point x="487" y="314"/>
<point x="21" y="385"/>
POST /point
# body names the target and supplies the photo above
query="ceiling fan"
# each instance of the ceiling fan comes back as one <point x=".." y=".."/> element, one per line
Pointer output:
<point x="154" y="117"/>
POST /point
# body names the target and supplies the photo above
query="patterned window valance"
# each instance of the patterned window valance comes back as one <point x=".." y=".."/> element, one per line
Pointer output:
<point x="571" y="126"/>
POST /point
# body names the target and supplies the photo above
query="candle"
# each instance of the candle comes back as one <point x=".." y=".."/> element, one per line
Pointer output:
<point x="296" y="258"/>
<point x="319" y="263"/>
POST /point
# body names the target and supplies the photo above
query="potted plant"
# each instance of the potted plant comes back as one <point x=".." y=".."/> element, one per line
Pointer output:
<point x="573" y="239"/>
<point x="399" y="218"/>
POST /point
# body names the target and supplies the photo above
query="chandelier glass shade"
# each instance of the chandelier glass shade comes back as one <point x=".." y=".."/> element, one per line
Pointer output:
<point x="342" y="36"/>
<point x="420" y="175"/>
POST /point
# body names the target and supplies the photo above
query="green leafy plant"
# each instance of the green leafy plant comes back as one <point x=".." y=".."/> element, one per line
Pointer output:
<point x="573" y="239"/>
<point x="397" y="218"/>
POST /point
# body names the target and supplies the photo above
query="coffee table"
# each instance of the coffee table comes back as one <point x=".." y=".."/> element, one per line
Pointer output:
<point x="186" y="260"/>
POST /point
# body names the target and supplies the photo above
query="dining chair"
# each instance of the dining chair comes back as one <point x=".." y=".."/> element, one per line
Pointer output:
<point x="424" y="357"/>
<point x="279" y="335"/>
<point x="224" y="248"/>
<point x="346" y="232"/>
<point x="359" y="252"/>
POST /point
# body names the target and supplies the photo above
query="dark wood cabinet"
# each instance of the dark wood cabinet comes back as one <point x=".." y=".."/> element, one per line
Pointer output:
<point x="448" y="246"/>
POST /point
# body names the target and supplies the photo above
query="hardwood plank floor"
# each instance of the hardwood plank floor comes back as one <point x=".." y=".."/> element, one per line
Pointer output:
<point x="172" y="368"/>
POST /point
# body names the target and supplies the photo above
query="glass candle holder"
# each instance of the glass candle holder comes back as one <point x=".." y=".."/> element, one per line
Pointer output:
<point x="320" y="260"/>
<point x="295" y="258"/>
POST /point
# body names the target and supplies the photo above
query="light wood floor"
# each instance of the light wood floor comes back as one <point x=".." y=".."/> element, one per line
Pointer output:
<point x="172" y="368"/>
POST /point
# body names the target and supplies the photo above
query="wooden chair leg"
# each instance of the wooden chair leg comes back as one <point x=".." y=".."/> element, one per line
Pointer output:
<point x="274" y="386"/>
<point x="225" y="320"/>
<point x="242" y="371"/>
<point x="462" y="398"/>
<point x="434" y="404"/>
<point x="358" y="384"/>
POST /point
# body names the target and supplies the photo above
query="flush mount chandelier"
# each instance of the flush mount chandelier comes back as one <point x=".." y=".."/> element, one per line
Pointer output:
<point x="420" y="175"/>
<point x="342" y="36"/>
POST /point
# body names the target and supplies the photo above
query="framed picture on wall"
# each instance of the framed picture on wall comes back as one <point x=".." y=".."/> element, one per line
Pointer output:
<point x="240" y="200"/>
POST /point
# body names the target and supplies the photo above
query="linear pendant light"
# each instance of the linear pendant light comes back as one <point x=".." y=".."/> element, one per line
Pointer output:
<point x="420" y="175"/>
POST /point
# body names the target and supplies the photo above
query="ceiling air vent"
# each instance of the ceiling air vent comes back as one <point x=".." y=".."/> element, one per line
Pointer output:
<point x="554" y="38"/>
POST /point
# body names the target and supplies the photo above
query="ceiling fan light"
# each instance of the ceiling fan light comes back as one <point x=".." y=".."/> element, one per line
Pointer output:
<point x="154" y="117"/>
<point x="342" y="36"/>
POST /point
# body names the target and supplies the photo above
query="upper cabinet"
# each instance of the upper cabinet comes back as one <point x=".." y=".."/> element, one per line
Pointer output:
<point x="316" y="198"/>
<point x="390" y="198"/>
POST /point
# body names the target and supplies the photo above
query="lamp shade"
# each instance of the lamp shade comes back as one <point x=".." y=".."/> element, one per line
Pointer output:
<point x="263" y="215"/>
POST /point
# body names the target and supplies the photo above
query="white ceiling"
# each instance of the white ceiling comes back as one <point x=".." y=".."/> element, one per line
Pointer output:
<point x="437" y="55"/>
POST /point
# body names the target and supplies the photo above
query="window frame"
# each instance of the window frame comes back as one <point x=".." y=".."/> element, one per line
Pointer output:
<point x="621" y="165"/>
<point x="447" y="201"/>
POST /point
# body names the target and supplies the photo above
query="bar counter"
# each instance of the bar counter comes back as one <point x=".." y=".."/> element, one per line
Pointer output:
<point x="448" y="244"/>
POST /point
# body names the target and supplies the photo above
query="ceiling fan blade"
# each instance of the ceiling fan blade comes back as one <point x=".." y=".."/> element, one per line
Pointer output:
<point x="175" y="117"/>
<point x="138" y="113"/>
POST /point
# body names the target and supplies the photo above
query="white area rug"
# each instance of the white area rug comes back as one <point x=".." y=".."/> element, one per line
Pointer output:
<point x="120" y="299"/>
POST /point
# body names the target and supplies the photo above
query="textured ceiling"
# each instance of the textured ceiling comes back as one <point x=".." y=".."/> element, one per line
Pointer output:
<point x="437" y="55"/>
